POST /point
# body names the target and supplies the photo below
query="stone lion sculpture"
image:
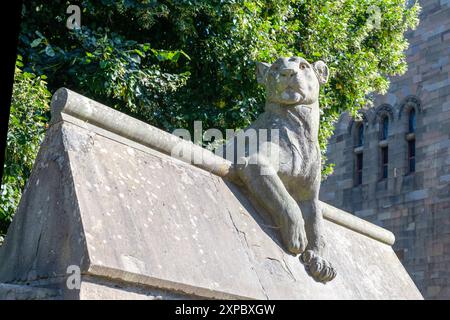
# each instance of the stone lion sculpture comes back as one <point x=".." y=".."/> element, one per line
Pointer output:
<point x="284" y="176"/>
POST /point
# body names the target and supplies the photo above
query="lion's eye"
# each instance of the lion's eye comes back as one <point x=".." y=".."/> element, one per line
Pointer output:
<point x="303" y="66"/>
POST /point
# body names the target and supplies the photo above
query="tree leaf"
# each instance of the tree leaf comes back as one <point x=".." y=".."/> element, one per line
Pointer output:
<point x="36" y="42"/>
<point x="49" y="51"/>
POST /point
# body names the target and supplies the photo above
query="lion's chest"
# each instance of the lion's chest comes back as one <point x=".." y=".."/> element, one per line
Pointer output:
<point x="296" y="135"/>
<point x="299" y="156"/>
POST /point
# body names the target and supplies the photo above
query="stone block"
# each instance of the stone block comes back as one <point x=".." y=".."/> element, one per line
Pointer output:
<point x="417" y="195"/>
<point x="365" y="213"/>
<point x="433" y="291"/>
<point x="24" y="292"/>
<point x="384" y="216"/>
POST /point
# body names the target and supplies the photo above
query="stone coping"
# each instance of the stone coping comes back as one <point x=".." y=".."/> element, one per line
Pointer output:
<point x="65" y="101"/>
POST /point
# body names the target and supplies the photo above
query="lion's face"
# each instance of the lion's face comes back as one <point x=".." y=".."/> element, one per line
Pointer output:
<point x="291" y="81"/>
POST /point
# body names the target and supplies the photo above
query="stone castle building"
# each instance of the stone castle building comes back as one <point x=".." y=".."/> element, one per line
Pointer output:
<point x="393" y="167"/>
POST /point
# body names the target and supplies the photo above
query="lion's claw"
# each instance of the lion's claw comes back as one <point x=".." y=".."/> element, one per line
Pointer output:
<point x="320" y="269"/>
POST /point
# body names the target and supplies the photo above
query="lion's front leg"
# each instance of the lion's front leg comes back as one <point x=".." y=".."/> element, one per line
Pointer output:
<point x="268" y="189"/>
<point x="313" y="257"/>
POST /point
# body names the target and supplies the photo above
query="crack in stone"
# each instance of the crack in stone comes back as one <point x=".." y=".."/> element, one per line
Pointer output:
<point x="247" y="253"/>
<point x="289" y="269"/>
<point x="284" y="265"/>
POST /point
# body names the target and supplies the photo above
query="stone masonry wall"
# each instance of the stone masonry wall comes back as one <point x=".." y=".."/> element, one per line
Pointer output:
<point x="414" y="206"/>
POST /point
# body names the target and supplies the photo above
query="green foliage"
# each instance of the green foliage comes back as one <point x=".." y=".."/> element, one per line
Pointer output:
<point x="28" y="118"/>
<point x="170" y="62"/>
<point x="121" y="73"/>
<point x="223" y="40"/>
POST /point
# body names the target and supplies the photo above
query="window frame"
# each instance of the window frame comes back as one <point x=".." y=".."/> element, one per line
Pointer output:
<point x="411" y="157"/>
<point x="359" y="165"/>
<point x="384" y="127"/>
<point x="411" y="128"/>
<point x="384" y="162"/>
<point x="412" y="125"/>
<point x="359" y="135"/>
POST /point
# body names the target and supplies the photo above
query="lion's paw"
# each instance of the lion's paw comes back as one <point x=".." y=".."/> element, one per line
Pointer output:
<point x="294" y="236"/>
<point x="320" y="269"/>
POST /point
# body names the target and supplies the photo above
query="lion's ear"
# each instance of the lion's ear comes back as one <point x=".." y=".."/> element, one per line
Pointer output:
<point x="262" y="69"/>
<point x="321" y="71"/>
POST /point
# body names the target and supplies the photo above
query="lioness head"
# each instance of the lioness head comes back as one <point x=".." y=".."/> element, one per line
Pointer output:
<point x="291" y="81"/>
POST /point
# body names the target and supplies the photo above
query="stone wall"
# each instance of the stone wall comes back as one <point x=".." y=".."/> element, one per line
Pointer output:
<point x="414" y="206"/>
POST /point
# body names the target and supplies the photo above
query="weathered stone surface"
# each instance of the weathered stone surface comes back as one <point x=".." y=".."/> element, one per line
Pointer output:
<point x="19" y="292"/>
<point x="142" y="224"/>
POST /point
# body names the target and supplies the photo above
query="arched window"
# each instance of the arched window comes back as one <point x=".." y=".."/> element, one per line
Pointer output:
<point x="384" y="128"/>
<point x="412" y="121"/>
<point x="360" y="135"/>
<point x="411" y="138"/>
